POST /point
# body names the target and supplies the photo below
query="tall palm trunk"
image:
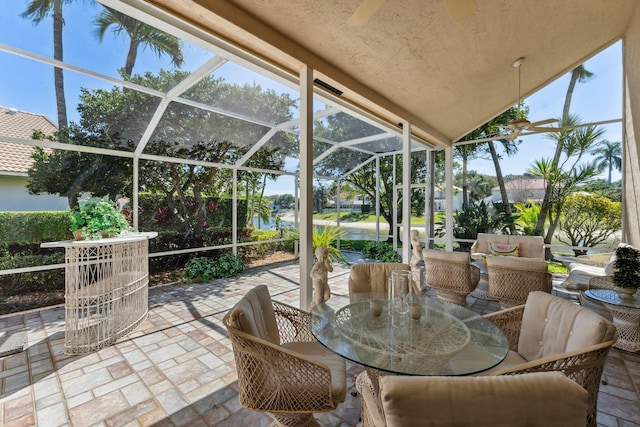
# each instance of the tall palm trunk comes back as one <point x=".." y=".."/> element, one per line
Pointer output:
<point x="503" y="191"/>
<point x="58" y="78"/>
<point x="576" y="75"/>
<point x="131" y="56"/>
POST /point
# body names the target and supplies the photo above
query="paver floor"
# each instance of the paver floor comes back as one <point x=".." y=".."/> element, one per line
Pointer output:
<point x="177" y="368"/>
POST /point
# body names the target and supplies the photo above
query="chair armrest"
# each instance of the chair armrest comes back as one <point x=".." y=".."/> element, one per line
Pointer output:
<point x="294" y="324"/>
<point x="509" y="321"/>
<point x="601" y="282"/>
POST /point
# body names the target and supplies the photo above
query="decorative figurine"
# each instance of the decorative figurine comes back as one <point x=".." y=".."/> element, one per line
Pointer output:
<point x="417" y="260"/>
<point x="319" y="274"/>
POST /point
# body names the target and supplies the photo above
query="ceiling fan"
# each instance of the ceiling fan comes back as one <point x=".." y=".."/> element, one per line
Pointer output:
<point x="519" y="125"/>
<point x="458" y="10"/>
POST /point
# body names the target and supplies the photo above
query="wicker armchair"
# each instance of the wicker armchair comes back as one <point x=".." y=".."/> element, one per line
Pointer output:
<point x="281" y="368"/>
<point x="451" y="275"/>
<point x="549" y="333"/>
<point x="541" y="399"/>
<point x="512" y="278"/>
<point x="373" y="276"/>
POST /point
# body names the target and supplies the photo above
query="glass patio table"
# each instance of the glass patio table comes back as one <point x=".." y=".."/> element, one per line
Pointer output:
<point x="447" y="339"/>
<point x="626" y="317"/>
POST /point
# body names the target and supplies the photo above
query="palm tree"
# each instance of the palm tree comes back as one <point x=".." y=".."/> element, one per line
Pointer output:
<point x="466" y="152"/>
<point x="37" y="10"/>
<point x="139" y="34"/>
<point x="578" y="75"/>
<point x="609" y="156"/>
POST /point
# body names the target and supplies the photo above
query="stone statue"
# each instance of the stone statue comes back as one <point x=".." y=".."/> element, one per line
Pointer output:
<point x="319" y="274"/>
<point x="417" y="246"/>
<point x="417" y="260"/>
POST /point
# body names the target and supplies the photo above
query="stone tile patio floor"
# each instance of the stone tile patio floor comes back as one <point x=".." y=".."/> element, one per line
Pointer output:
<point x="177" y="368"/>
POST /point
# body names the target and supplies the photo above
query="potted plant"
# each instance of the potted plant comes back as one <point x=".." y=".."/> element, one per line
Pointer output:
<point x="96" y="219"/>
<point x="626" y="277"/>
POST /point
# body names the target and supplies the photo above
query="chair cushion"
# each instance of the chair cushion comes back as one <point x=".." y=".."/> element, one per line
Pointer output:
<point x="517" y="263"/>
<point x="317" y="352"/>
<point x="530" y="246"/>
<point x="446" y="255"/>
<point x="254" y="315"/>
<point x="504" y="250"/>
<point x="372" y="277"/>
<point x="537" y="399"/>
<point x="552" y="325"/>
<point x="512" y="359"/>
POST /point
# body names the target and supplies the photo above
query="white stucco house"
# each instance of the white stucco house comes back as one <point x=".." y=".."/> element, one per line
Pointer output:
<point x="520" y="190"/>
<point x="15" y="161"/>
<point x="439" y="198"/>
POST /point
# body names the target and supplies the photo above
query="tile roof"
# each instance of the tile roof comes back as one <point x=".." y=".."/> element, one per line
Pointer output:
<point x="16" y="158"/>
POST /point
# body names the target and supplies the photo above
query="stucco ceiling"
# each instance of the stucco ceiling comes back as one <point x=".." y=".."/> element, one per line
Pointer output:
<point x="411" y="61"/>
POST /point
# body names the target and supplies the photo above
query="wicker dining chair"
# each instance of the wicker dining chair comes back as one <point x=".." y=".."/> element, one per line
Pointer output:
<point x="281" y="368"/>
<point x="549" y="333"/>
<point x="541" y="399"/>
<point x="451" y="275"/>
<point x="597" y="282"/>
<point x="512" y="278"/>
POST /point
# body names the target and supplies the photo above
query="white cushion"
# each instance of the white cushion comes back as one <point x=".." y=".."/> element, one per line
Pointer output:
<point x="517" y="263"/>
<point x="373" y="277"/>
<point x="552" y="325"/>
<point x="318" y="353"/>
<point x="580" y="274"/>
<point x="254" y="315"/>
<point x="446" y="255"/>
<point x="546" y="399"/>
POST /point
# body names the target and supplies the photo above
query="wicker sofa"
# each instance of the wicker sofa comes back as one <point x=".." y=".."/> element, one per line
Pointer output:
<point x="530" y="246"/>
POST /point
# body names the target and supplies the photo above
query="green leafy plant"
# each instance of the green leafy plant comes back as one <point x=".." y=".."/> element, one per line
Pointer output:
<point x="473" y="219"/>
<point x="380" y="251"/>
<point x="207" y="269"/>
<point x="327" y="236"/>
<point x="97" y="219"/>
<point x="627" y="267"/>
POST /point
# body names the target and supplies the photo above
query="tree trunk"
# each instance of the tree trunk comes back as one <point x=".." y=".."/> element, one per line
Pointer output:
<point x="542" y="218"/>
<point x="465" y="185"/>
<point x="264" y="184"/>
<point x="503" y="191"/>
<point x="58" y="77"/>
<point x="131" y="57"/>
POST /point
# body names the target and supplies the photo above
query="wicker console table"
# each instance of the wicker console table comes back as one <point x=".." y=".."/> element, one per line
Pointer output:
<point x="106" y="289"/>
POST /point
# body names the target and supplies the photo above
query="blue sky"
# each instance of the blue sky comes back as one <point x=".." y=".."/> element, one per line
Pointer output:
<point x="28" y="86"/>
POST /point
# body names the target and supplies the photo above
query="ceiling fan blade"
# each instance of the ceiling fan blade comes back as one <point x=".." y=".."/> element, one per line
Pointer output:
<point x="544" y="122"/>
<point x="460" y="9"/>
<point x="513" y="135"/>
<point x="539" y="129"/>
<point x="364" y="12"/>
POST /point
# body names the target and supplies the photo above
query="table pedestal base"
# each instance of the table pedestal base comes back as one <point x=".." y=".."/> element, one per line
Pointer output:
<point x="627" y="322"/>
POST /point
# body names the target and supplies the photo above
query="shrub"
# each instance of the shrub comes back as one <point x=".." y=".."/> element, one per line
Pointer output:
<point x="30" y="227"/>
<point x="34" y="281"/>
<point x="381" y="251"/>
<point x="207" y="269"/>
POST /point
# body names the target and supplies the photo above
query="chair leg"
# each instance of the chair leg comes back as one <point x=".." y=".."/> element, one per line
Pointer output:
<point x="291" y="419"/>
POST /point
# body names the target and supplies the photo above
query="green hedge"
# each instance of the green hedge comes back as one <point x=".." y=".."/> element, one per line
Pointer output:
<point x="29" y="227"/>
<point x="48" y="280"/>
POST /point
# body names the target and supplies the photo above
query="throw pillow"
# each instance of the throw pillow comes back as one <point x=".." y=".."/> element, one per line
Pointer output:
<point x="504" y="250"/>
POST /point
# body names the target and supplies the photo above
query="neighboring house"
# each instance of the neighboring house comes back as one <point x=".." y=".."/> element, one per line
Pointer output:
<point x="440" y="202"/>
<point x="15" y="161"/>
<point x="521" y="190"/>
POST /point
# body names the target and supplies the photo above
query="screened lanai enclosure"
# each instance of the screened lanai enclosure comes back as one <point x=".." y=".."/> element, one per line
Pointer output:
<point x="183" y="130"/>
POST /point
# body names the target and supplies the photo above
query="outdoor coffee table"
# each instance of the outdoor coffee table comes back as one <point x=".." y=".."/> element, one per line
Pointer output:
<point x="447" y="339"/>
<point x="626" y="317"/>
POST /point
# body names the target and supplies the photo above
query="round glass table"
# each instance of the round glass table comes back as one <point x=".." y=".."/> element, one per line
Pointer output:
<point x="446" y="339"/>
<point x="626" y="317"/>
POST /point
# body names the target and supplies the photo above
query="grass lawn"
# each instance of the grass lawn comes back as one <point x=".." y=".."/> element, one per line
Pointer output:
<point x="360" y="217"/>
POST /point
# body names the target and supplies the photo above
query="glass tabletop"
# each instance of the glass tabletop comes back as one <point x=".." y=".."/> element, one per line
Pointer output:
<point x="446" y="339"/>
<point x="609" y="296"/>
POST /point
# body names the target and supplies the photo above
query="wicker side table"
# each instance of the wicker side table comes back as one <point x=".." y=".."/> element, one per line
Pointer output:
<point x="106" y="289"/>
<point x="626" y="317"/>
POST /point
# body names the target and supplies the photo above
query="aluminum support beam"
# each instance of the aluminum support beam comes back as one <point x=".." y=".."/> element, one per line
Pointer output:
<point x="406" y="192"/>
<point x="448" y="153"/>
<point x="306" y="185"/>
